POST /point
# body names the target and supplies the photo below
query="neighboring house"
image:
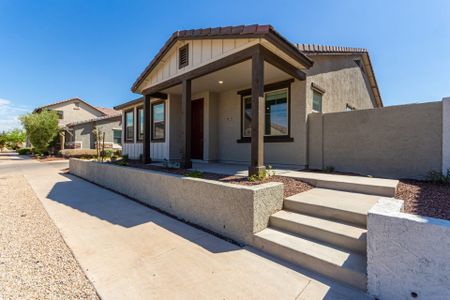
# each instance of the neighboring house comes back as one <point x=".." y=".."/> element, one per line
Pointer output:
<point x="200" y="89"/>
<point x="74" y="110"/>
<point x="80" y="135"/>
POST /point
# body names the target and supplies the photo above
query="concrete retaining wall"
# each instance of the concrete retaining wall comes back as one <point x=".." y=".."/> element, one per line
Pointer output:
<point x="395" y="142"/>
<point x="231" y="210"/>
<point x="408" y="256"/>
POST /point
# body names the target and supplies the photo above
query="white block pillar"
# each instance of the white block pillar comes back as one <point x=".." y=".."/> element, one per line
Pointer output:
<point x="445" y="134"/>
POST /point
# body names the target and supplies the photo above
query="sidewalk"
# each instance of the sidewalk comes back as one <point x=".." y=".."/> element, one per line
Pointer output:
<point x="130" y="251"/>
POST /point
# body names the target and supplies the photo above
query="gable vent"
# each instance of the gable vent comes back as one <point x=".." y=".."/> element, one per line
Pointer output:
<point x="183" y="56"/>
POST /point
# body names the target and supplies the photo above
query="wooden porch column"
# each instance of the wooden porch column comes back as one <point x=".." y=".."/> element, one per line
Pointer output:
<point x="258" y="105"/>
<point x="147" y="134"/>
<point x="186" y="100"/>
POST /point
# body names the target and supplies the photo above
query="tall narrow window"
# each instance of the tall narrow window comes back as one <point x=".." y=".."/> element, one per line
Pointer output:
<point x="117" y="136"/>
<point x="129" y="126"/>
<point x="317" y="101"/>
<point x="276" y="121"/>
<point x="140" y="124"/>
<point x="159" y="121"/>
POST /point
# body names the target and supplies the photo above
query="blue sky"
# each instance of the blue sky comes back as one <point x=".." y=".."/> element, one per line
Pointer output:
<point x="52" y="50"/>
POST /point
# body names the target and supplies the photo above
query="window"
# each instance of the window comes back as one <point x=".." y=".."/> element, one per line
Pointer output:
<point x="276" y="122"/>
<point x="317" y="101"/>
<point x="117" y="136"/>
<point x="183" y="56"/>
<point x="60" y="114"/>
<point x="140" y="124"/>
<point x="158" y="121"/>
<point x="129" y="126"/>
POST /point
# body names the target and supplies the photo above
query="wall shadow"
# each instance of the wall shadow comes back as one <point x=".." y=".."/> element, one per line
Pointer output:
<point x="122" y="211"/>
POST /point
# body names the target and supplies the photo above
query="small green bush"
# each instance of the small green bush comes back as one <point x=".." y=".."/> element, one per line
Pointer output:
<point x="107" y="153"/>
<point x="24" y="151"/>
<point x="267" y="173"/>
<point x="195" y="174"/>
<point x="329" y="169"/>
<point x="438" y="177"/>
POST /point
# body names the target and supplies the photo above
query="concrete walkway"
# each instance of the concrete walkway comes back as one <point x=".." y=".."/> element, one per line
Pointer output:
<point x="129" y="251"/>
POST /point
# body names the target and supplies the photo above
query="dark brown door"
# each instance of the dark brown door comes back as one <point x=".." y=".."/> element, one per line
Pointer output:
<point x="197" y="129"/>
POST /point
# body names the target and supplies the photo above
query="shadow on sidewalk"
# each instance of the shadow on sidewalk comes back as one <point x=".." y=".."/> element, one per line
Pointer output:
<point x="119" y="210"/>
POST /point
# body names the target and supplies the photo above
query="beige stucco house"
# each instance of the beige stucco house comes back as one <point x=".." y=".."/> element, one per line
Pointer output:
<point x="200" y="90"/>
<point x="77" y="118"/>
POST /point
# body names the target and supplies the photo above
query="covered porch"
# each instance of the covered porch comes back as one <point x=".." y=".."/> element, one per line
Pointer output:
<point x="195" y="125"/>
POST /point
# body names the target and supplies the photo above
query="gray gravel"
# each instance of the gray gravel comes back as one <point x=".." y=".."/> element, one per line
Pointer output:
<point x="35" y="262"/>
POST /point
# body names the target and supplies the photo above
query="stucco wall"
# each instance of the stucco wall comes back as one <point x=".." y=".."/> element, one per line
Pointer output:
<point x="71" y="113"/>
<point x="285" y="153"/>
<point x="396" y="142"/>
<point x="445" y="134"/>
<point x="343" y="81"/>
<point x="235" y="211"/>
<point x="407" y="254"/>
<point x="83" y="132"/>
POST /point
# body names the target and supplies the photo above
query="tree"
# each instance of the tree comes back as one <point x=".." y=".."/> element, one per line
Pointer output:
<point x="41" y="128"/>
<point x="2" y="141"/>
<point x="15" y="138"/>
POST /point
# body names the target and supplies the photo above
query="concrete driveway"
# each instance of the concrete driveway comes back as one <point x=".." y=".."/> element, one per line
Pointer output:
<point x="129" y="251"/>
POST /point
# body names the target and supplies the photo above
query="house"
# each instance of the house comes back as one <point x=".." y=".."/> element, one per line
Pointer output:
<point x="241" y="94"/>
<point x="80" y="135"/>
<point x="74" y="113"/>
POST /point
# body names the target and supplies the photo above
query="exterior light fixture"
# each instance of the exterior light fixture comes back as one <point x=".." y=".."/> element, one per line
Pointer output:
<point x="220" y="82"/>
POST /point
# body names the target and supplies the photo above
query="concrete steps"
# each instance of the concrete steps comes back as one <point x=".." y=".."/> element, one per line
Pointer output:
<point x="335" y="205"/>
<point x="322" y="258"/>
<point x="343" y="235"/>
<point x="349" y="183"/>
<point x="322" y="230"/>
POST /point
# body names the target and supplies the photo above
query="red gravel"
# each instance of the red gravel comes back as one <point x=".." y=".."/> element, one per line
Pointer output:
<point x="292" y="186"/>
<point x="425" y="198"/>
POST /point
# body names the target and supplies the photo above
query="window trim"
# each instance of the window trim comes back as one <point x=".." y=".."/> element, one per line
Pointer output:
<point x="286" y="84"/>
<point x="182" y="48"/>
<point x="138" y="126"/>
<point x="317" y="89"/>
<point x="160" y="140"/>
<point x="115" y="130"/>
<point x="126" y="139"/>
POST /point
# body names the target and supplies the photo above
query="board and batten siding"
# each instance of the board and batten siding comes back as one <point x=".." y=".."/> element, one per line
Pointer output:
<point x="158" y="151"/>
<point x="201" y="52"/>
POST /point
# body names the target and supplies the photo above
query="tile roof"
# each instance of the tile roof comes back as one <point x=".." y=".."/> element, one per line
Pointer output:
<point x="314" y="48"/>
<point x="65" y="101"/>
<point x="110" y="116"/>
<point x="107" y="110"/>
<point x="241" y="31"/>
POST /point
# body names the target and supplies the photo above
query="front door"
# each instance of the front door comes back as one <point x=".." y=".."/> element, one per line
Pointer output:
<point x="197" y="129"/>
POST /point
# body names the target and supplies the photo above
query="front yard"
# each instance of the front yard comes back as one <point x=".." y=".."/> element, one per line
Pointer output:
<point x="35" y="262"/>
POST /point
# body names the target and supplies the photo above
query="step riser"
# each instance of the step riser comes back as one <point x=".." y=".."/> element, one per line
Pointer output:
<point x="352" y="244"/>
<point x="326" y="212"/>
<point x="352" y="187"/>
<point x="311" y="263"/>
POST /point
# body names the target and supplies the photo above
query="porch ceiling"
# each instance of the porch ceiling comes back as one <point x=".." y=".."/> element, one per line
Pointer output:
<point x="234" y="78"/>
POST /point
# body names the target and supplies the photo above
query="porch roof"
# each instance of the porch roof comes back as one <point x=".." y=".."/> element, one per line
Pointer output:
<point x="242" y="31"/>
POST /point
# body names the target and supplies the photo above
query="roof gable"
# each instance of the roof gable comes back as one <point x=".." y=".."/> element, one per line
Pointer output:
<point x="206" y="44"/>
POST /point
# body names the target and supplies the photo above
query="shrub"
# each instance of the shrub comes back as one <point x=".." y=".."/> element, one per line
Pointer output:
<point x="438" y="177"/>
<point x="267" y="173"/>
<point x="107" y="153"/>
<point x="328" y="169"/>
<point x="79" y="153"/>
<point x="24" y="151"/>
<point x="195" y="174"/>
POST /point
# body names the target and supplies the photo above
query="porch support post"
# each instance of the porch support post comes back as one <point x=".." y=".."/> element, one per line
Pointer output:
<point x="186" y="100"/>
<point x="147" y="121"/>
<point x="257" y="147"/>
